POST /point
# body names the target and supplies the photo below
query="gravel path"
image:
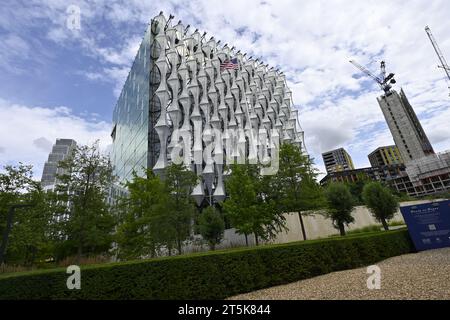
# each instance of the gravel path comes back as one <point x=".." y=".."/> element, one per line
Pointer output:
<point x="424" y="275"/>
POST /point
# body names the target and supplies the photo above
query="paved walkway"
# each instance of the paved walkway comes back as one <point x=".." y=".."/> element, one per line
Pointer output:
<point x="424" y="275"/>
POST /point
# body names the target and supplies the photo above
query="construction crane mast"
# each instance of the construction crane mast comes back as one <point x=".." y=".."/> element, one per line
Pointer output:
<point x="444" y="64"/>
<point x="383" y="81"/>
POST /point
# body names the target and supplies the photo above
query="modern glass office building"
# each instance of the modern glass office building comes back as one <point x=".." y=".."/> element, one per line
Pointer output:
<point x="189" y="100"/>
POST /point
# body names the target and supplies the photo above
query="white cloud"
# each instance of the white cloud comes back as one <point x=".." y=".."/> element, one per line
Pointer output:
<point x="31" y="130"/>
<point x="43" y="144"/>
<point x="114" y="75"/>
<point x="13" y="49"/>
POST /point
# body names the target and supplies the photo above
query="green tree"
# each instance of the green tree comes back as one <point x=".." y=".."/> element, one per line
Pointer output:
<point x="241" y="202"/>
<point x="156" y="213"/>
<point x="295" y="183"/>
<point x="15" y="182"/>
<point x="211" y="226"/>
<point x="249" y="206"/>
<point x="357" y="187"/>
<point x="381" y="202"/>
<point x="85" y="219"/>
<point x="181" y="209"/>
<point x="29" y="238"/>
<point x="141" y="213"/>
<point x="340" y="205"/>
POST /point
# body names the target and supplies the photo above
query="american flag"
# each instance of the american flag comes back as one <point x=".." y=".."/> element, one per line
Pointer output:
<point x="229" y="64"/>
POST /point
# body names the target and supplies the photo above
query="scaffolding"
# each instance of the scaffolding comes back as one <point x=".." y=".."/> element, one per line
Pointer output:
<point x="431" y="172"/>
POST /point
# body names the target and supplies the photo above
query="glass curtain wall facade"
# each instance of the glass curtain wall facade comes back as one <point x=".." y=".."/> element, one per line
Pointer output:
<point x="131" y="117"/>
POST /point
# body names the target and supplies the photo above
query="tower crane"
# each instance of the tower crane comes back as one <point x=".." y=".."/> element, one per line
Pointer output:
<point x="384" y="82"/>
<point x="444" y="64"/>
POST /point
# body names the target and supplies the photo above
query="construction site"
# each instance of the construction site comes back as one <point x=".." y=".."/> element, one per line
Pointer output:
<point x="419" y="170"/>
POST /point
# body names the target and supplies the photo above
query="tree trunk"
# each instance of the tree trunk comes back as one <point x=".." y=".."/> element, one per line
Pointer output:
<point x="179" y="246"/>
<point x="212" y="246"/>
<point x="152" y="251"/>
<point x="385" y="225"/>
<point x="256" y="239"/>
<point x="246" y="240"/>
<point x="341" y="229"/>
<point x="303" y="226"/>
<point x="79" y="252"/>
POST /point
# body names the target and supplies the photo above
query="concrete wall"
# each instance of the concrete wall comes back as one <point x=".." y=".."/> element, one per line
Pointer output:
<point x="316" y="226"/>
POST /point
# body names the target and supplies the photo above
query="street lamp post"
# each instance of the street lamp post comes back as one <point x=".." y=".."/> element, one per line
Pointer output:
<point x="9" y="220"/>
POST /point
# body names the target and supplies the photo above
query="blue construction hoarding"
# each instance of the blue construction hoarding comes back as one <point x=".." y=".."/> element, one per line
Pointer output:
<point x="428" y="224"/>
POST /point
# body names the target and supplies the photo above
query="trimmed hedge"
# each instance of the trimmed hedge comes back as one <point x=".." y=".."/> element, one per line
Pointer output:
<point x="212" y="275"/>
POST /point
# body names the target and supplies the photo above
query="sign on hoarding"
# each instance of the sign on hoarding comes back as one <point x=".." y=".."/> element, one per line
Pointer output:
<point x="428" y="224"/>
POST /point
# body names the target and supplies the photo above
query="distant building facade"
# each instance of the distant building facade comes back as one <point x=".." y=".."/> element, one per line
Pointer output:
<point x="382" y="173"/>
<point x="61" y="149"/>
<point x="385" y="156"/>
<point x="399" y="177"/>
<point x="337" y="160"/>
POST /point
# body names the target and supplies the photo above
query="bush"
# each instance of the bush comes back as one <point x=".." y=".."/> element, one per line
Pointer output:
<point x="371" y="228"/>
<point x="212" y="275"/>
<point x="211" y="226"/>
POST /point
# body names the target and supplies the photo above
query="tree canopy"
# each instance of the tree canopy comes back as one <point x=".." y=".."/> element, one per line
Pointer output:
<point x="295" y="183"/>
<point x="211" y="226"/>
<point x="340" y="205"/>
<point x="380" y="201"/>
<point x="250" y="206"/>
<point x="84" y="216"/>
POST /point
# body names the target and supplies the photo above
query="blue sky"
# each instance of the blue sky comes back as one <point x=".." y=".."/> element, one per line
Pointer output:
<point x="57" y="82"/>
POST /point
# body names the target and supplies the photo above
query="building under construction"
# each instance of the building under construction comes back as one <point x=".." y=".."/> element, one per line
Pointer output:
<point x="426" y="172"/>
<point x="408" y="134"/>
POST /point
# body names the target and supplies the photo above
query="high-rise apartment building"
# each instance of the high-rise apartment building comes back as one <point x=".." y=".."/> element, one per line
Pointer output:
<point x="189" y="100"/>
<point x="408" y="134"/>
<point x="61" y="149"/>
<point x="337" y="160"/>
<point x="385" y="156"/>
